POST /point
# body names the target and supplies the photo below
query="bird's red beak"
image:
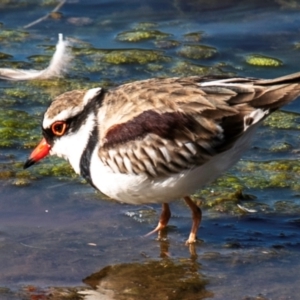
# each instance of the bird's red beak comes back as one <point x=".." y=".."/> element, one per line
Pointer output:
<point x="41" y="150"/>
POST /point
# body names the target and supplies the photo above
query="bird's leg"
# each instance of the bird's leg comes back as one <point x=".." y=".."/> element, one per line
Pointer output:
<point x="163" y="220"/>
<point x="197" y="216"/>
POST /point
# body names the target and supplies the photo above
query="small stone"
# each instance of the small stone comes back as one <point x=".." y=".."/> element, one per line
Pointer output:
<point x="56" y="15"/>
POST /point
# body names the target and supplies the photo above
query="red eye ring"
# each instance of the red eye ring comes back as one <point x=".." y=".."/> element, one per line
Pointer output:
<point x="59" y="128"/>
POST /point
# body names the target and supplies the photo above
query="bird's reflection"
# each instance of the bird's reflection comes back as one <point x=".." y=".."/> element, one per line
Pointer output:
<point x="165" y="278"/>
<point x="165" y="244"/>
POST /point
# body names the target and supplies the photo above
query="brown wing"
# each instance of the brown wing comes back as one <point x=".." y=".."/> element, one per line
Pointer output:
<point x="163" y="126"/>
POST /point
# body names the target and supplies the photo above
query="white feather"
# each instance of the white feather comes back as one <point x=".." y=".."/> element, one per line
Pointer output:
<point x="191" y="147"/>
<point x="165" y="153"/>
<point x="58" y="65"/>
<point x="257" y="115"/>
<point x="128" y="165"/>
<point x="90" y="94"/>
<point x="221" y="82"/>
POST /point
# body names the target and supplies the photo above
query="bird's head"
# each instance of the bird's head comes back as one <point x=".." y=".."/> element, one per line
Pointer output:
<point x="67" y="125"/>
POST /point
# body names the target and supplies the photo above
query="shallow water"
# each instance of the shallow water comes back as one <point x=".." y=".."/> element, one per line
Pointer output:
<point x="58" y="236"/>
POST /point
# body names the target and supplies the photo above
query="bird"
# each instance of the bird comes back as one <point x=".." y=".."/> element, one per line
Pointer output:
<point x="160" y="139"/>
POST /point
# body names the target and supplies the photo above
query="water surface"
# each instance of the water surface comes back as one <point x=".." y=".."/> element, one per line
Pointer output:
<point x="58" y="236"/>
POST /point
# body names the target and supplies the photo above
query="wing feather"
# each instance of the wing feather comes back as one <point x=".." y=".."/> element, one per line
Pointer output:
<point x="163" y="126"/>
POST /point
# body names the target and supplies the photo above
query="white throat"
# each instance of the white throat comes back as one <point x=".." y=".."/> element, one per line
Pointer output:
<point x="71" y="147"/>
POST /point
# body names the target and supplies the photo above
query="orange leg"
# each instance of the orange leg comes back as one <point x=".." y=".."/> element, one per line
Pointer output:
<point x="163" y="220"/>
<point x="197" y="216"/>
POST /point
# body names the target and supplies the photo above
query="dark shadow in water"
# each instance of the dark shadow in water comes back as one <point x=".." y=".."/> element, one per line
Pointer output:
<point x="162" y="279"/>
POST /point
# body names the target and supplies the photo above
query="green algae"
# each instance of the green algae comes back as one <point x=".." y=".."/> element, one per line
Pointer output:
<point x="21" y="182"/>
<point x="23" y="174"/>
<point x="145" y="25"/>
<point x="15" y="64"/>
<point x="121" y="56"/>
<point x="229" y="181"/>
<point x="17" y="92"/>
<point x="283" y="120"/>
<point x="263" y="61"/>
<point x="166" y="44"/>
<point x="9" y="35"/>
<point x="277" y="166"/>
<point x="133" y="56"/>
<point x="17" y="119"/>
<point x="141" y="32"/>
<point x="257" y="181"/>
<point x="154" y="68"/>
<point x="58" y="83"/>
<point x="187" y="69"/>
<point x="87" y="49"/>
<point x="5" y="56"/>
<point x="112" y="63"/>
<point x="49" y="2"/>
<point x="16" y="127"/>
<point x="46" y="90"/>
<point x="140" y="35"/>
<point x="49" y="167"/>
<point x="280" y="180"/>
<point x="197" y="51"/>
<point x="287" y="4"/>
<point x="184" y="68"/>
<point x="200" y="6"/>
<point x="43" y="91"/>
<point x="193" y="36"/>
<point x="285" y="206"/>
<point x="18" y="174"/>
<point x="55" y="167"/>
<point x="40" y="58"/>
<point x="230" y="189"/>
<point x="12" y="171"/>
<point x="276" y="174"/>
<point x="6" y="174"/>
<point x="281" y="147"/>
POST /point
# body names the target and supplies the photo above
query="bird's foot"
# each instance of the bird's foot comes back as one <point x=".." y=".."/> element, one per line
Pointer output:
<point x="192" y="239"/>
<point x="160" y="226"/>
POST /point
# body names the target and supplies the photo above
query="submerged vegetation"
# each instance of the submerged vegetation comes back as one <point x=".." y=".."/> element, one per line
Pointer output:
<point x="8" y="36"/>
<point x="263" y="61"/>
<point x="140" y="35"/>
<point x="197" y="51"/>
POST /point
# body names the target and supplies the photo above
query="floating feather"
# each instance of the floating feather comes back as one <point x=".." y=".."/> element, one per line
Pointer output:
<point x="245" y="209"/>
<point x="58" y="65"/>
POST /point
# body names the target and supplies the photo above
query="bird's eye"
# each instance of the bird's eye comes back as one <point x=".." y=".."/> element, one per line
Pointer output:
<point x="59" y="128"/>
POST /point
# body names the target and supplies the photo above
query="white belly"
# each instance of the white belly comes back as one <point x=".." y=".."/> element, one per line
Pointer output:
<point x="140" y="189"/>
